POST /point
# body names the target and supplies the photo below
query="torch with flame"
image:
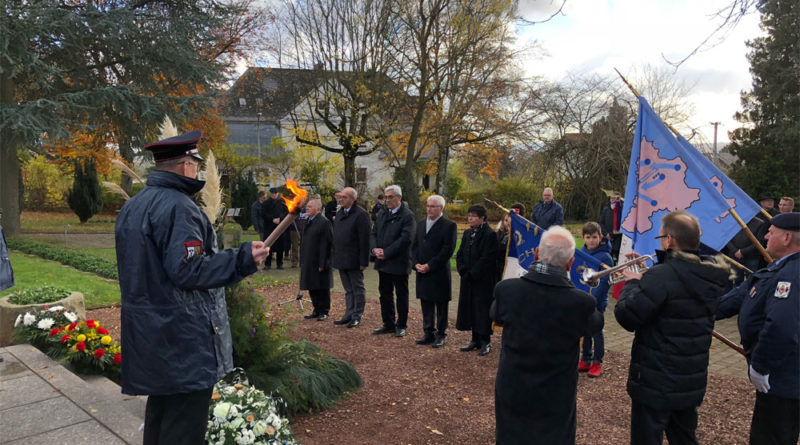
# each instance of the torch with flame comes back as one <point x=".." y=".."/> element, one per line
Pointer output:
<point x="293" y="205"/>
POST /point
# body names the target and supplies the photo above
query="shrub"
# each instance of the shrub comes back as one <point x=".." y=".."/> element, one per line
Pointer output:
<point x="78" y="260"/>
<point x="245" y="192"/>
<point x="45" y="185"/>
<point x="299" y="372"/>
<point x="86" y="196"/>
<point x="39" y="295"/>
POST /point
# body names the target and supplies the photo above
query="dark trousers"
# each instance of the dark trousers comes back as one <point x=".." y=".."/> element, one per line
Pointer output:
<point x="177" y="418"/>
<point x="277" y="249"/>
<point x="776" y="421"/>
<point x="648" y="425"/>
<point x="434" y="311"/>
<point x="321" y="300"/>
<point x="388" y="282"/>
<point x="355" y="296"/>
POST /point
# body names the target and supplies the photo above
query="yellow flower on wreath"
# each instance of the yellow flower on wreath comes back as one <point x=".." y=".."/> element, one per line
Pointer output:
<point x="81" y="337"/>
<point x="106" y="340"/>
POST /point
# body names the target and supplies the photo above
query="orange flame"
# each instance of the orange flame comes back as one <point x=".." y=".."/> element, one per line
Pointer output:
<point x="299" y="195"/>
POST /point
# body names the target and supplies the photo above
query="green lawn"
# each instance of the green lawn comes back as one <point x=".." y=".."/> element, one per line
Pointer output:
<point x="56" y="222"/>
<point x="31" y="272"/>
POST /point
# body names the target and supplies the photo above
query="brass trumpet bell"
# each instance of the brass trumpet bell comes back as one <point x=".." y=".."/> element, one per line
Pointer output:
<point x="636" y="265"/>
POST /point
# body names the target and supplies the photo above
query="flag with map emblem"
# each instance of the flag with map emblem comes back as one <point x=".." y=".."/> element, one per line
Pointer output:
<point x="522" y="243"/>
<point x="667" y="174"/>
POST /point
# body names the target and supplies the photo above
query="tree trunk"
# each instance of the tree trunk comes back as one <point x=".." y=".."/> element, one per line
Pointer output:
<point x="443" y="154"/>
<point x="349" y="170"/>
<point x="9" y="166"/>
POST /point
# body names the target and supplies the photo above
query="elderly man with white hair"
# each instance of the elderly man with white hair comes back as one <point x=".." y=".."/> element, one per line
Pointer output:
<point x="543" y="317"/>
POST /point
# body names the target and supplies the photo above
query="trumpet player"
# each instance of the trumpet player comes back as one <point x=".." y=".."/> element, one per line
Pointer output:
<point x="670" y="308"/>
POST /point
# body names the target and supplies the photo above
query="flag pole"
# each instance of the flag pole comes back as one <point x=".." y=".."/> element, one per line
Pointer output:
<point x="742" y="224"/>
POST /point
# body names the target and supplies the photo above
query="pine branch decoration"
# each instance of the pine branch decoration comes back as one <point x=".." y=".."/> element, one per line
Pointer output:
<point x="211" y="195"/>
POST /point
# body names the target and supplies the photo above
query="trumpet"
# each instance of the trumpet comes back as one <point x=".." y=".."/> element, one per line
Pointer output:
<point x="636" y="265"/>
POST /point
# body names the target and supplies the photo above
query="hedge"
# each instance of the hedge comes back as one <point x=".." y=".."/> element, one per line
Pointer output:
<point x="78" y="260"/>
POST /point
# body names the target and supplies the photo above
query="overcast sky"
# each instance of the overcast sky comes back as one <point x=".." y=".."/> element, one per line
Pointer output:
<point x="598" y="35"/>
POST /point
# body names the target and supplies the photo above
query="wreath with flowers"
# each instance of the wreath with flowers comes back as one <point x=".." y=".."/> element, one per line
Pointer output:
<point x="57" y="332"/>
<point x="242" y="414"/>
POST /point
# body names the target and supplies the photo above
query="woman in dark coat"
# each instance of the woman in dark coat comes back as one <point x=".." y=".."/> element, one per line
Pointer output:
<point x="476" y="263"/>
<point x="315" y="260"/>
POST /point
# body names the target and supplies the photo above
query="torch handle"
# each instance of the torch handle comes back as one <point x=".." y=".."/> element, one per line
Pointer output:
<point x="282" y="226"/>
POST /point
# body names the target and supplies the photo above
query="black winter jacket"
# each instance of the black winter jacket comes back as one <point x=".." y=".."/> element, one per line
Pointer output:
<point x="393" y="232"/>
<point x="671" y="310"/>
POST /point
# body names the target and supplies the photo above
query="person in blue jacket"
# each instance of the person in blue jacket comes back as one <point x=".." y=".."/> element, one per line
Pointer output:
<point x="768" y="304"/>
<point x="172" y="277"/>
<point x="547" y="212"/>
<point x="598" y="247"/>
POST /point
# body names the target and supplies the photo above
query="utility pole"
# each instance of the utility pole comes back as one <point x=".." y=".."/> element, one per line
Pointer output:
<point x="716" y="154"/>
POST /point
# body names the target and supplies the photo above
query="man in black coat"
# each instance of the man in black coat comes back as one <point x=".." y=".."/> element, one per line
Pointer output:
<point x="255" y="215"/>
<point x="390" y="243"/>
<point x="671" y="310"/>
<point x="315" y="260"/>
<point x="351" y="254"/>
<point x="475" y="262"/>
<point x="273" y="211"/>
<point x="543" y="317"/>
<point x="742" y="249"/>
<point x="431" y="250"/>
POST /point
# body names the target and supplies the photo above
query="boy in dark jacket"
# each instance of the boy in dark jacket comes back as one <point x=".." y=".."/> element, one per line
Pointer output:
<point x="599" y="249"/>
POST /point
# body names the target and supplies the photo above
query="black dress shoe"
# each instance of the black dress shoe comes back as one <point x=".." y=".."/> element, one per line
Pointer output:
<point x="280" y="267"/>
<point x="322" y="317"/>
<point x="426" y="340"/>
<point x="400" y="332"/>
<point x="382" y="330"/>
<point x="486" y="348"/>
<point x="354" y="323"/>
<point x="470" y="347"/>
<point x="438" y="343"/>
<point x="311" y="315"/>
<point x="342" y="321"/>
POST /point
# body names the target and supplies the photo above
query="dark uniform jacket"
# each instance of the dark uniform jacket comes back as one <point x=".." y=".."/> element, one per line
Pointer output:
<point x="543" y="318"/>
<point x="768" y="304"/>
<point x="435" y="249"/>
<point x="742" y="242"/>
<point x="171" y="276"/>
<point x="671" y="310"/>
<point x="270" y="209"/>
<point x="315" y="252"/>
<point x="549" y="214"/>
<point x="475" y="262"/>
<point x="351" y="239"/>
<point x="393" y="232"/>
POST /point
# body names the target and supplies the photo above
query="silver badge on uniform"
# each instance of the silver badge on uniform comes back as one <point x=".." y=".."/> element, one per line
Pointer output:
<point x="752" y="292"/>
<point x="782" y="291"/>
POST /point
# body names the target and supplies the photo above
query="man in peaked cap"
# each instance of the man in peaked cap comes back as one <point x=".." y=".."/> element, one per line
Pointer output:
<point x="767" y="202"/>
<point x="768" y="304"/>
<point x="172" y="277"/>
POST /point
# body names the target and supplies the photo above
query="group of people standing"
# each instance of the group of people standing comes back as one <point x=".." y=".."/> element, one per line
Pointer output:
<point x="172" y="278"/>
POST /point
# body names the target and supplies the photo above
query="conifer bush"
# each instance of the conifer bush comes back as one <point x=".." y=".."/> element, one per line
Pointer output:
<point x="86" y="196"/>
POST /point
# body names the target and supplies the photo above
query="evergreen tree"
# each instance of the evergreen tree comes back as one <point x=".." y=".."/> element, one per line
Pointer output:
<point x="245" y="192"/>
<point x="86" y="196"/>
<point x="767" y="143"/>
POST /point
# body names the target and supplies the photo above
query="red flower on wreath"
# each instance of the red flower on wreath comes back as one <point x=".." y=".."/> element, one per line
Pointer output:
<point x="102" y="331"/>
<point x="117" y="358"/>
<point x="53" y="332"/>
<point x="72" y="326"/>
<point x="99" y="353"/>
<point x="81" y="346"/>
<point x="90" y="323"/>
<point x="64" y="338"/>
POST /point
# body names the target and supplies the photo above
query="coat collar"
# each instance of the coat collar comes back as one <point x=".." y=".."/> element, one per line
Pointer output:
<point x="547" y="280"/>
<point x="162" y="178"/>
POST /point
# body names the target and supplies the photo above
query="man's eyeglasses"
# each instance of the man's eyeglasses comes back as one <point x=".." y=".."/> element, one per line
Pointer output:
<point x="661" y="236"/>
<point x="390" y="196"/>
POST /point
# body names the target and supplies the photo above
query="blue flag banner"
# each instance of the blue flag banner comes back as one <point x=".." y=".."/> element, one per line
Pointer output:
<point x="663" y="176"/>
<point x="522" y="244"/>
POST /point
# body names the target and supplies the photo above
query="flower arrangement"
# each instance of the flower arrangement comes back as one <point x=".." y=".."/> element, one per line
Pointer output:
<point x="86" y="345"/>
<point x="241" y="414"/>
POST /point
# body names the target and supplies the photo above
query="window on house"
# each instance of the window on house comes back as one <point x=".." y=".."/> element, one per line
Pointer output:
<point x="242" y="102"/>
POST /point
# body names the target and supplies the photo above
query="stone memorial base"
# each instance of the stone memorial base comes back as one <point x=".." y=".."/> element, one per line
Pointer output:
<point x="10" y="311"/>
